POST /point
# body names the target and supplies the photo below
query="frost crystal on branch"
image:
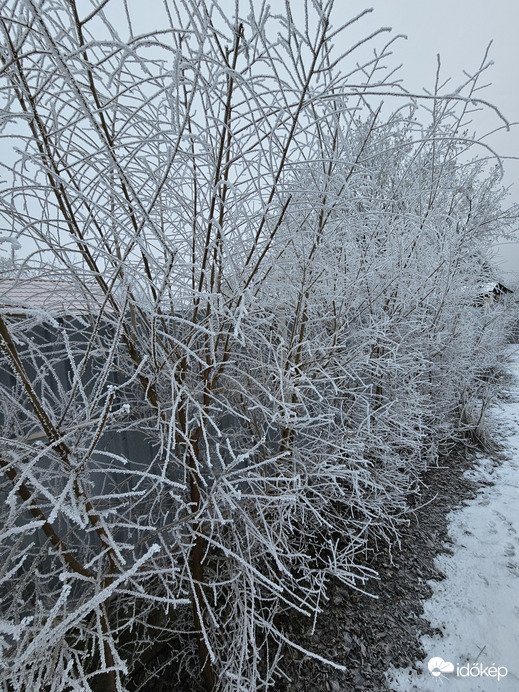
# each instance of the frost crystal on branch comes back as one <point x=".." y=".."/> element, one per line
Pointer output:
<point x="245" y="320"/>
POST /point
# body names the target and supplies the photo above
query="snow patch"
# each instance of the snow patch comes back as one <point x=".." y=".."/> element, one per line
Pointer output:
<point x="476" y="606"/>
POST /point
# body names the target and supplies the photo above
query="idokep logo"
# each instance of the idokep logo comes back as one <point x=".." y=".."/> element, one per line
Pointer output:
<point x="437" y="666"/>
<point x="478" y="670"/>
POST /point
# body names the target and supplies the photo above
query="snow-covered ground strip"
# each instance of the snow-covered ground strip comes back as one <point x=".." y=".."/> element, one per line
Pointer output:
<point x="477" y="605"/>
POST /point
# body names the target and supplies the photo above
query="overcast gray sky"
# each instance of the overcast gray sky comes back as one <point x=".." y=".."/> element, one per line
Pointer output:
<point x="458" y="30"/>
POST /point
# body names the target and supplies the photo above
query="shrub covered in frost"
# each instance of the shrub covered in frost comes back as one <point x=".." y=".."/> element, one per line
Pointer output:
<point x="268" y="328"/>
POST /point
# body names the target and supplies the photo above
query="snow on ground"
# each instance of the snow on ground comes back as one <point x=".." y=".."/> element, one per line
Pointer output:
<point x="477" y="605"/>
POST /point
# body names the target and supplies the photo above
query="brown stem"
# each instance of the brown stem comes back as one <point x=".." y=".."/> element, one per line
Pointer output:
<point x="55" y="437"/>
<point x="197" y="557"/>
<point x="197" y="573"/>
<point x="108" y="678"/>
<point x="26" y="495"/>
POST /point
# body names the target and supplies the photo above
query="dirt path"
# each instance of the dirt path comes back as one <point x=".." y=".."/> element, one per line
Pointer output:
<point x="477" y="605"/>
<point x="370" y="635"/>
<point x="471" y="560"/>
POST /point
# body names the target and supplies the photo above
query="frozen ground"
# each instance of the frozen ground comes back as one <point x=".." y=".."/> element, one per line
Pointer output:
<point x="477" y="605"/>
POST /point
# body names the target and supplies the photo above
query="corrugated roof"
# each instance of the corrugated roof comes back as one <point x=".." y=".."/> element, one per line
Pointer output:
<point x="57" y="297"/>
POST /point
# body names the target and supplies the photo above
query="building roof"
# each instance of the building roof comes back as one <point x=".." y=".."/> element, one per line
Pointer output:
<point x="56" y="297"/>
<point x="495" y="287"/>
